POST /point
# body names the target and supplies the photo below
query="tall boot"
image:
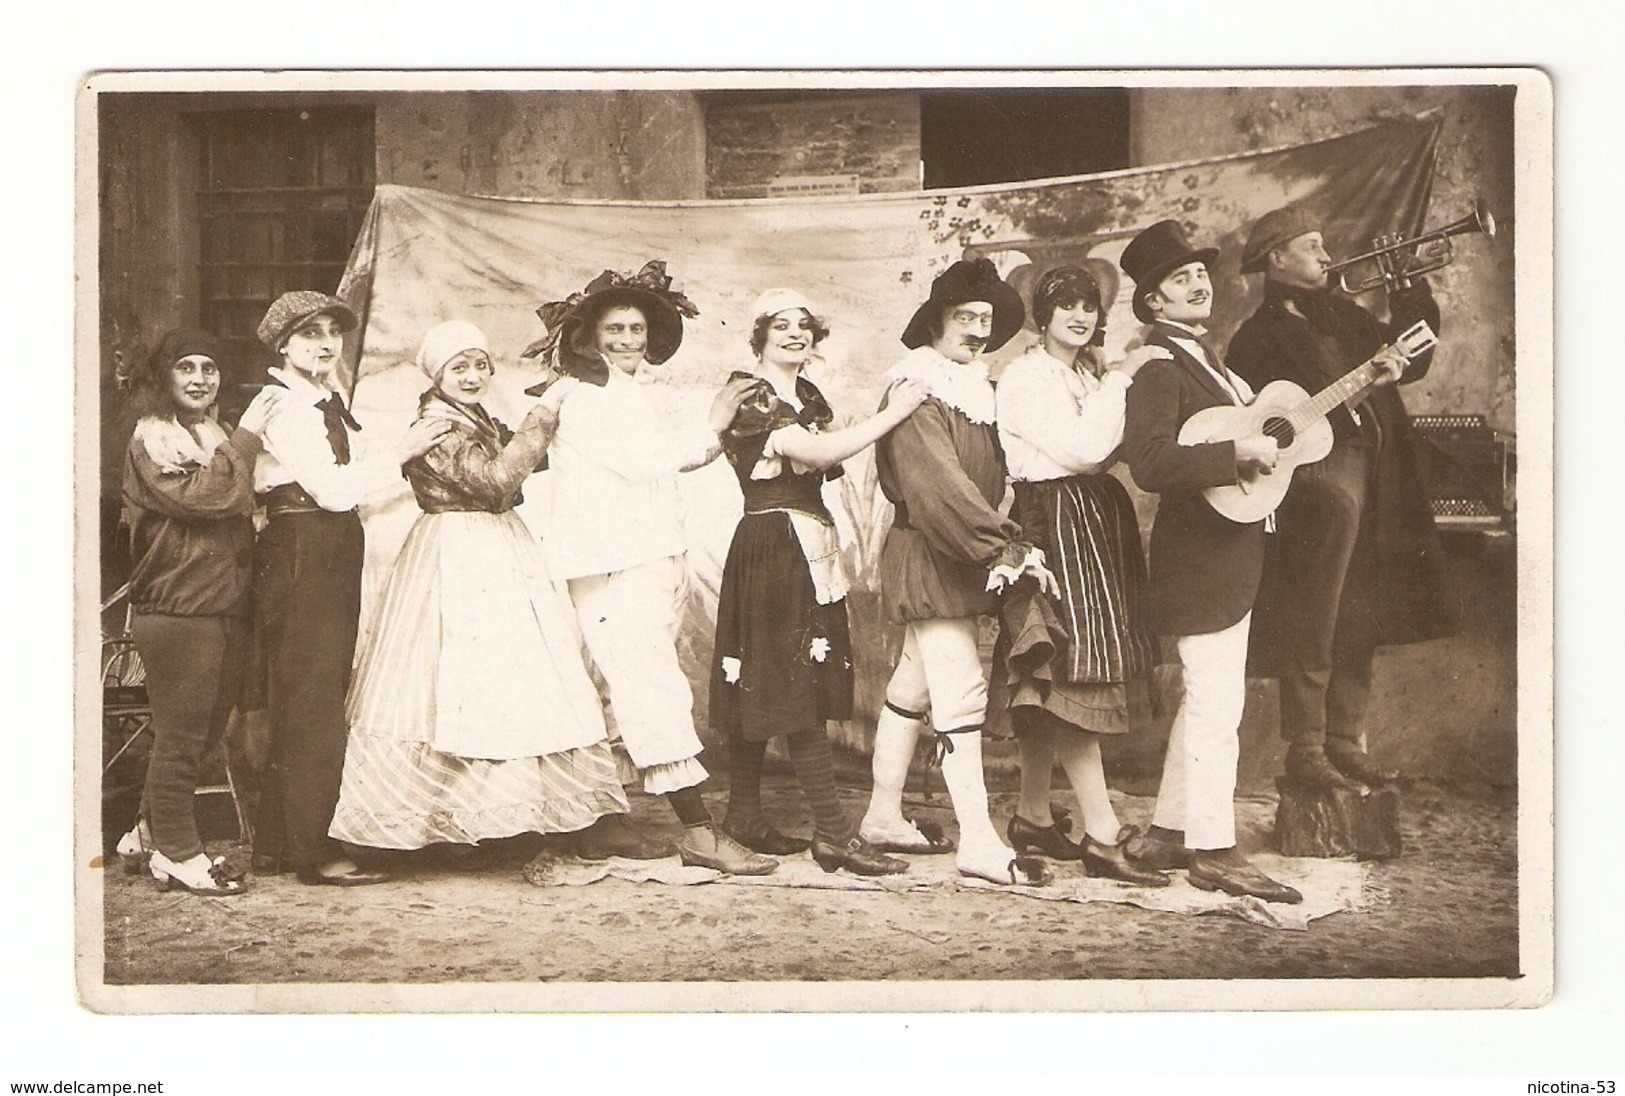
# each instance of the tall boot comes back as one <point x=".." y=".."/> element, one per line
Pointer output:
<point x="1347" y="754"/>
<point x="1307" y="763"/>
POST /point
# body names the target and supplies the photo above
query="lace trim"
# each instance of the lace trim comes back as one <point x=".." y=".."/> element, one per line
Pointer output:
<point x="965" y="388"/>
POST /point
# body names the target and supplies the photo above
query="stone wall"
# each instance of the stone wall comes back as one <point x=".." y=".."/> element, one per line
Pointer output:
<point x="643" y="146"/>
<point x="750" y="144"/>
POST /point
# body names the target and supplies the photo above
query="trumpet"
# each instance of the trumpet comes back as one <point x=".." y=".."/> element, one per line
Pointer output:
<point x="1396" y="261"/>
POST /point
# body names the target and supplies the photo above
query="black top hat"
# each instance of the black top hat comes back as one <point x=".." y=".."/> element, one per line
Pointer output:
<point x="572" y="322"/>
<point x="1153" y="255"/>
<point x="968" y="280"/>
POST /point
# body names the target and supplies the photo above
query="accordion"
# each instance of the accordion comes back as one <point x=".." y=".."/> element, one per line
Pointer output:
<point x="1468" y="468"/>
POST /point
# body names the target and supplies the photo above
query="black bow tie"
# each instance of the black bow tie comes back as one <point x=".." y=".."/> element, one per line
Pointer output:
<point x="335" y="416"/>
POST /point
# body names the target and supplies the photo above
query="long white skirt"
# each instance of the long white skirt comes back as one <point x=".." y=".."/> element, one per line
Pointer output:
<point x="471" y="713"/>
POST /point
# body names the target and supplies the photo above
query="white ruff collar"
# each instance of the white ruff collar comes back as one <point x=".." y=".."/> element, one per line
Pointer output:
<point x="173" y="448"/>
<point x="965" y="388"/>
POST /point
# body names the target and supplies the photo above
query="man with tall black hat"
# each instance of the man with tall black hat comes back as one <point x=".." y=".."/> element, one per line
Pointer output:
<point x="1355" y="562"/>
<point x="948" y="553"/>
<point x="1204" y="567"/>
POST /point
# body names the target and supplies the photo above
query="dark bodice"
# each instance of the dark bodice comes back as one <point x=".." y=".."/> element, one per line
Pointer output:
<point x="745" y="440"/>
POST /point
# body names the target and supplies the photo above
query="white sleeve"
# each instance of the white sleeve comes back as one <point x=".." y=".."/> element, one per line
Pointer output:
<point x="297" y="437"/>
<point x="1040" y="412"/>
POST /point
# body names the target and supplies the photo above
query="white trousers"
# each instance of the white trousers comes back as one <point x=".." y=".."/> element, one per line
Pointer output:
<point x="1199" y="772"/>
<point x="941" y="671"/>
<point x="629" y="622"/>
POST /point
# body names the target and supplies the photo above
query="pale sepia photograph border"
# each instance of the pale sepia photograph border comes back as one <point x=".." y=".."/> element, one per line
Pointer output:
<point x="1534" y="410"/>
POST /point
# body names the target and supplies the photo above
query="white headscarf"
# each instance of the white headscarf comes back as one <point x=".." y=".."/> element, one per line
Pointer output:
<point x="774" y="301"/>
<point x="447" y="340"/>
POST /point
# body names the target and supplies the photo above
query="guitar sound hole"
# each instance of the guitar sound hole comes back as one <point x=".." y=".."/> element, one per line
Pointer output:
<point x="1281" y="431"/>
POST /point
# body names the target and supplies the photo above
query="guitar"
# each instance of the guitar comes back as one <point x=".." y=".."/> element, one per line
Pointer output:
<point x="1297" y="422"/>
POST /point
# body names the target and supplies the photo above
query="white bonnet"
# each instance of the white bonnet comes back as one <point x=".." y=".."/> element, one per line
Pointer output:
<point x="445" y="341"/>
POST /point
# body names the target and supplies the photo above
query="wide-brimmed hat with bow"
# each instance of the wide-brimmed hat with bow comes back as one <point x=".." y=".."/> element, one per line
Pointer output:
<point x="968" y="280"/>
<point x="571" y="323"/>
<point x="1156" y="253"/>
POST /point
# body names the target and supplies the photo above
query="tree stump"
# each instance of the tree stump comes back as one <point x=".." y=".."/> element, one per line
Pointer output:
<point x="1328" y="822"/>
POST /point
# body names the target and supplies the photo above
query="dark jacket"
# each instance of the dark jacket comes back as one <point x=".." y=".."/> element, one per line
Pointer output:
<point x="1204" y="567"/>
<point x="479" y="465"/>
<point x="1411" y="596"/>
<point x="191" y="536"/>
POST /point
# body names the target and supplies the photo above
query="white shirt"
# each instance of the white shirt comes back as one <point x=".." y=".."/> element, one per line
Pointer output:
<point x="297" y="451"/>
<point x="1230" y="382"/>
<point x="613" y="468"/>
<point x="1057" y="421"/>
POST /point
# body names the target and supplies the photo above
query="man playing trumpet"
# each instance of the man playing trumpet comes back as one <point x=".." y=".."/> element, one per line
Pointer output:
<point x="1355" y="562"/>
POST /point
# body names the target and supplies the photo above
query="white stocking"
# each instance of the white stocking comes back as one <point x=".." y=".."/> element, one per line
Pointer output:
<point x="962" y="772"/>
<point x="895" y="739"/>
<point x="1080" y="757"/>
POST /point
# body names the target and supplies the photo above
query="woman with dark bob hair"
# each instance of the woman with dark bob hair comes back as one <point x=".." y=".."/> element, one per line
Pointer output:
<point x="783" y="656"/>
<point x="188" y="497"/>
<point x="1065" y="665"/>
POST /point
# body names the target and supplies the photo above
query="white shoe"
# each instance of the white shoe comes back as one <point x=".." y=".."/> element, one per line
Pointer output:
<point x="1005" y="867"/>
<point x="199" y="874"/>
<point x="906" y="836"/>
<point x="135" y="848"/>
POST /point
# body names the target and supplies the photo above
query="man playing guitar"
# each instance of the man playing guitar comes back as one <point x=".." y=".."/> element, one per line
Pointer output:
<point x="1204" y="567"/>
<point x="1355" y="561"/>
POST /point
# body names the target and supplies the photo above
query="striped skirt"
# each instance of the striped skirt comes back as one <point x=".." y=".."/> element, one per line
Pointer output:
<point x="471" y="713"/>
<point x="1074" y="657"/>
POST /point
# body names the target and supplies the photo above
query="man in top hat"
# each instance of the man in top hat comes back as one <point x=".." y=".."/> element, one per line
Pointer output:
<point x="947" y="554"/>
<point x="615" y="537"/>
<point x="1204" y="567"/>
<point x="1355" y="561"/>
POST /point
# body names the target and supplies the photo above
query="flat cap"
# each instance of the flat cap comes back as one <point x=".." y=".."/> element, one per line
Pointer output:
<point x="1273" y="229"/>
<point x="293" y="308"/>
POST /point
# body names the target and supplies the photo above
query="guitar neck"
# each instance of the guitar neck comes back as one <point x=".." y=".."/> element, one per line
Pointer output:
<point x="1347" y="387"/>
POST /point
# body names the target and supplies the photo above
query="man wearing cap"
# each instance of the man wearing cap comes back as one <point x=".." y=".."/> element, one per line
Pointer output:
<point x="1204" y="567"/>
<point x="615" y="536"/>
<point x="948" y="553"/>
<point x="1355" y="562"/>
<point x="306" y="597"/>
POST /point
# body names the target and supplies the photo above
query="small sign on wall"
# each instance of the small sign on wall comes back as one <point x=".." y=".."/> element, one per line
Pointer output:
<point x="812" y="186"/>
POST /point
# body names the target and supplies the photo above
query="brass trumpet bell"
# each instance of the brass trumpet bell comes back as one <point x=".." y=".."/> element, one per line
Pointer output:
<point x="1396" y="261"/>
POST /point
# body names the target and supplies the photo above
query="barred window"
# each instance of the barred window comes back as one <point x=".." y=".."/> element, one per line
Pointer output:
<point x="282" y="195"/>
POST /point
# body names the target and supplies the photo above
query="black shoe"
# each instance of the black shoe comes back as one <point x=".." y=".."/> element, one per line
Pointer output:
<point x="1050" y="840"/>
<point x="1228" y="871"/>
<point x="1353" y="762"/>
<point x="1149" y="850"/>
<point x="758" y="836"/>
<point x="613" y="835"/>
<point x="1307" y="763"/>
<point x="1111" y="861"/>
<point x="856" y="856"/>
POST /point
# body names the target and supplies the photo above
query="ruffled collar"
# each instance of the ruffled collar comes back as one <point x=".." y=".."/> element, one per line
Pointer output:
<point x="965" y="388"/>
<point x="173" y="448"/>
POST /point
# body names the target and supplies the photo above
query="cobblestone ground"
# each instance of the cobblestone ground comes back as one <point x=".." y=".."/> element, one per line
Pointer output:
<point x="1450" y="912"/>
